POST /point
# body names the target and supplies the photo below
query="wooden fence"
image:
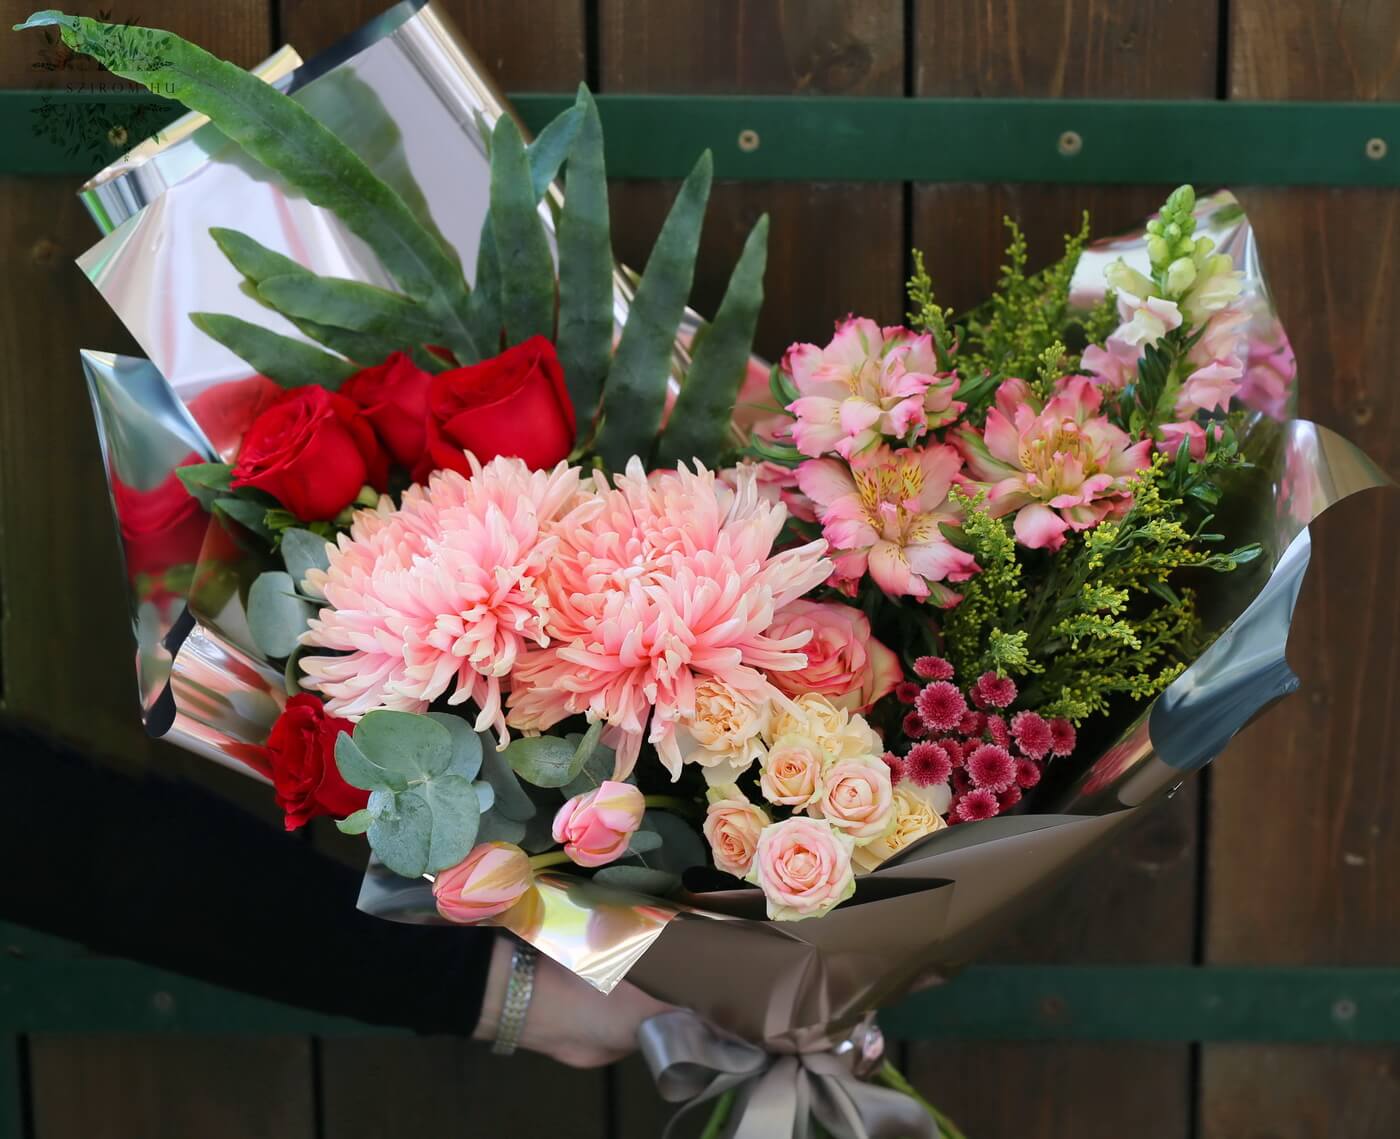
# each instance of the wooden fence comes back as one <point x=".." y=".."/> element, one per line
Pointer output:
<point x="1286" y="853"/>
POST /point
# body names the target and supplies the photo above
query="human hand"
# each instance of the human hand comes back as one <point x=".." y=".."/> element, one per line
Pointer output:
<point x="568" y="1019"/>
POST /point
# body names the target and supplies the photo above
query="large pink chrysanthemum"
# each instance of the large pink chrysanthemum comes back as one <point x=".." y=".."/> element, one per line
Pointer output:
<point x="672" y="581"/>
<point x="444" y="592"/>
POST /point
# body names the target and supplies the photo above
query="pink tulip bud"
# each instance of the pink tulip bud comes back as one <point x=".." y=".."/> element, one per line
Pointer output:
<point x="595" y="827"/>
<point x="489" y="881"/>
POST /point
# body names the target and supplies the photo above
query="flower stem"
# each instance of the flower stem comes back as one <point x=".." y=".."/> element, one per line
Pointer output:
<point x="892" y="1078"/>
<point x="549" y="858"/>
<point x="719" y="1117"/>
<point x="670" y="803"/>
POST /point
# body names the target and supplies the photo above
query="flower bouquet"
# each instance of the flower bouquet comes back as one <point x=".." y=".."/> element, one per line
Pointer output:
<point x="660" y="662"/>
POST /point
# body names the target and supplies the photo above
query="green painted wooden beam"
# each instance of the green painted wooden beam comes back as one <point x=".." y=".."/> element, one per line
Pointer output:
<point x="832" y="138"/>
<point x="1001" y="1002"/>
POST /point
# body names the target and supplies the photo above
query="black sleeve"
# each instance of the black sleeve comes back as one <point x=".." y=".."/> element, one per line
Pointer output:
<point x="171" y="875"/>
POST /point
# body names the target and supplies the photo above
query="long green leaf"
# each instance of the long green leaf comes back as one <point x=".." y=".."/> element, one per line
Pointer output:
<point x="292" y="363"/>
<point x="585" y="270"/>
<point x="281" y="134"/>
<point x="348" y="304"/>
<point x="522" y="248"/>
<point x="546" y="154"/>
<point x="253" y="259"/>
<point x="699" y="423"/>
<point x="636" y="388"/>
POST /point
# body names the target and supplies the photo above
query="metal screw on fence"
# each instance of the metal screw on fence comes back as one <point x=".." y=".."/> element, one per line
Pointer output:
<point x="748" y="140"/>
<point x="1071" y="143"/>
<point x="1376" y="148"/>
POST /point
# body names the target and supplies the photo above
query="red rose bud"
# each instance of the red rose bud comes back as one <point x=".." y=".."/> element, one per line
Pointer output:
<point x="514" y="404"/>
<point x="312" y="451"/>
<point x="394" y="397"/>
<point x="300" y="756"/>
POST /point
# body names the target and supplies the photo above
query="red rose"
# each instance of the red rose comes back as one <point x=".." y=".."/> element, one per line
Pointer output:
<point x="513" y="404"/>
<point x="225" y="411"/>
<point x="300" y="756"/>
<point x="162" y="527"/>
<point x="312" y="451"/>
<point x="394" y="397"/>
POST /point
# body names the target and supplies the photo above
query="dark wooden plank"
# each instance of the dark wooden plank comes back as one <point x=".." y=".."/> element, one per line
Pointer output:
<point x="100" y="1087"/>
<point x="1305" y="851"/>
<point x="1137" y="902"/>
<point x="832" y="249"/>
<point x="446" y="1087"/>
<point x="374" y="1088"/>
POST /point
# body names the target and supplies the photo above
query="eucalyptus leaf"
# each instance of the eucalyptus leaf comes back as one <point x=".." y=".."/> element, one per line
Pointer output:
<point x="512" y="800"/>
<point x="585" y="338"/>
<point x="539" y="833"/>
<point x="466" y="744"/>
<point x="596" y="770"/>
<point x="545" y="761"/>
<point x="456" y="812"/>
<point x="636" y="389"/>
<point x="408" y="745"/>
<point x="205" y="481"/>
<point x="681" y="847"/>
<point x="358" y="770"/>
<point x="381" y="803"/>
<point x="495" y="827"/>
<point x="291" y="363"/>
<point x="303" y="551"/>
<point x="278" y="132"/>
<point x="356" y="823"/>
<point x="276" y="615"/>
<point x="522" y="247"/>
<point x="700" y="422"/>
<point x="638" y="879"/>
<point x="485" y="795"/>
<point x="643" y="841"/>
<point x="402" y="839"/>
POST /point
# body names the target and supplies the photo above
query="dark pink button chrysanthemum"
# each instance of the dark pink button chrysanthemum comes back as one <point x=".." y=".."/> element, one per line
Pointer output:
<point x="1000" y="733"/>
<point x="933" y="668"/>
<point x="992" y="767"/>
<point x="941" y="706"/>
<point x="972" y="724"/>
<point x="953" y="748"/>
<point x="927" y="764"/>
<point x="906" y="691"/>
<point x="1027" y="773"/>
<point x="1062" y="736"/>
<point x="993" y="691"/>
<point x="979" y="803"/>
<point x="896" y="766"/>
<point x="1009" y="798"/>
<point x="914" y="726"/>
<point x="1032" y="734"/>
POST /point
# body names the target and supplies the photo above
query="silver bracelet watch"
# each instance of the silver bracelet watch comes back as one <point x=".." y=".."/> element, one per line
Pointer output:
<point x="519" y="989"/>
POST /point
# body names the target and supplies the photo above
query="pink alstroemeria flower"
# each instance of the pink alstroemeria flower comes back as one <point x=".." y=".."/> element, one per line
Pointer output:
<point x="867" y="384"/>
<point x="883" y="515"/>
<point x="1059" y="467"/>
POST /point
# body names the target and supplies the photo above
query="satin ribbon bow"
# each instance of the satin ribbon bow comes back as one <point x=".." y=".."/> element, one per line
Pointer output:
<point x="778" y="1094"/>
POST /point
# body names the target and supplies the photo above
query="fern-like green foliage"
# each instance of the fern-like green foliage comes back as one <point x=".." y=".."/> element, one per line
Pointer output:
<point x="1103" y="617"/>
<point x="619" y="395"/>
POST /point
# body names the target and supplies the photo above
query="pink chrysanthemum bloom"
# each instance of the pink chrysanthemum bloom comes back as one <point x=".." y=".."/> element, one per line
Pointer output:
<point x="954" y="750"/>
<point x="896" y="766"/>
<point x="671" y="579"/>
<point x="1058" y="467"/>
<point x="1062" y="737"/>
<point x="1009" y="798"/>
<point x="868" y="383"/>
<point x="907" y="691"/>
<point x="927" y="765"/>
<point x="978" y="803"/>
<point x="914" y="726"/>
<point x="972" y="723"/>
<point x="941" y="706"/>
<point x="883" y="515"/>
<point x="444" y="592"/>
<point x="998" y="731"/>
<point x="993" y="691"/>
<point x="933" y="668"/>
<point x="1027" y="773"/>
<point x="992" y="767"/>
<point x="1032" y="734"/>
